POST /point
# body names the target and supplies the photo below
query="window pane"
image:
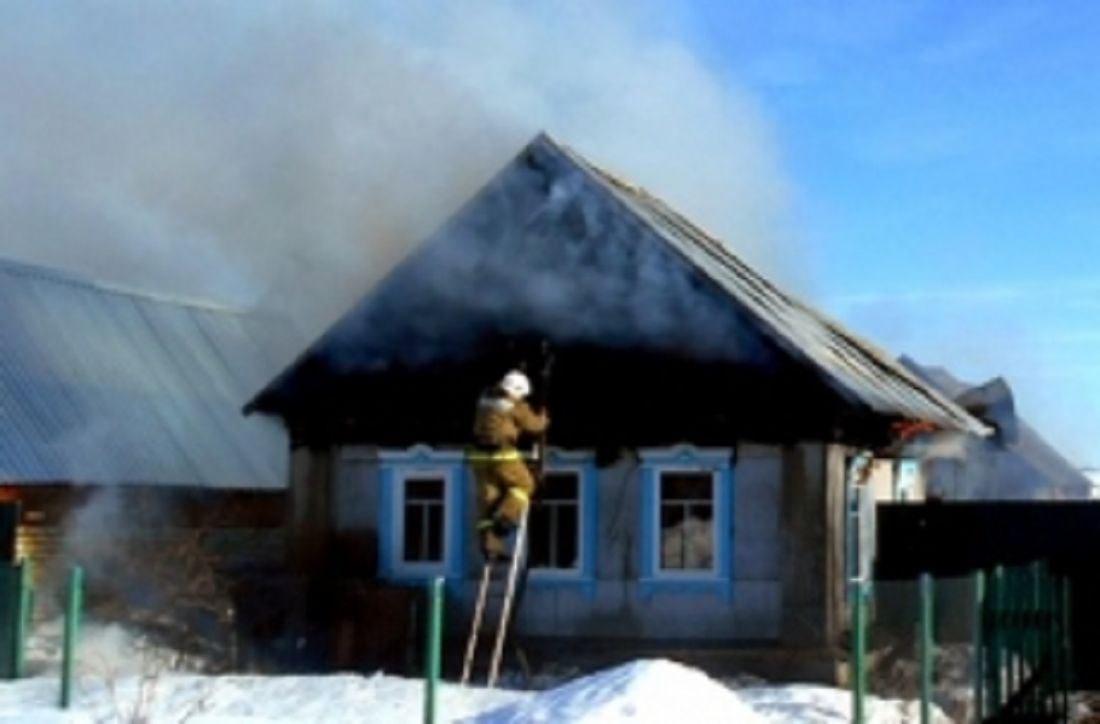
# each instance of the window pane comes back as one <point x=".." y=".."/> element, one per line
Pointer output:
<point x="559" y="486"/>
<point x="435" y="534"/>
<point x="686" y="486"/>
<point x="568" y="550"/>
<point x="554" y="526"/>
<point x="672" y="515"/>
<point x="538" y="538"/>
<point x="704" y="511"/>
<point x="687" y="521"/>
<point x="423" y="489"/>
<point x="414" y="530"/>
<point x="422" y="541"/>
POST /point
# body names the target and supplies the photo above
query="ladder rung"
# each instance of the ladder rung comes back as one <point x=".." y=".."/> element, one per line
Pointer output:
<point x="498" y="582"/>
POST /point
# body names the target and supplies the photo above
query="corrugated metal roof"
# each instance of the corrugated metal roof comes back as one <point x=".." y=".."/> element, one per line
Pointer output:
<point x="856" y="368"/>
<point x="104" y="385"/>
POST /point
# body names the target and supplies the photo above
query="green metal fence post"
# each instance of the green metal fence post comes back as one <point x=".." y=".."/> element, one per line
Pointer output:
<point x="1013" y="648"/>
<point x="23" y="622"/>
<point x="1018" y="600"/>
<point x="995" y="672"/>
<point x="979" y="646"/>
<point x="433" y="646"/>
<point x="1022" y="600"/>
<point x="72" y="632"/>
<point x="858" y="671"/>
<point x="1050" y="643"/>
<point x="1035" y="628"/>
<point x="1067" y="643"/>
<point x="927" y="646"/>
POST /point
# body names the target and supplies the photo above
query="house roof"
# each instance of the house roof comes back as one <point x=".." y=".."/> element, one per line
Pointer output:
<point x="103" y="385"/>
<point x="854" y="366"/>
<point x="1027" y="465"/>
<point x="548" y="193"/>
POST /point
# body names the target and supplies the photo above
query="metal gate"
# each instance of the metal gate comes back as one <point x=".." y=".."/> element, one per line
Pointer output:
<point x="1024" y="653"/>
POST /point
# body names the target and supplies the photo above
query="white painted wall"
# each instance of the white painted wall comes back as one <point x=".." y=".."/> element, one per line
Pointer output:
<point x="614" y="606"/>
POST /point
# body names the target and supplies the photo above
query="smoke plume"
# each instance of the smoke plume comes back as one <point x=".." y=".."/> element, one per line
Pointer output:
<point x="591" y="273"/>
<point x="276" y="152"/>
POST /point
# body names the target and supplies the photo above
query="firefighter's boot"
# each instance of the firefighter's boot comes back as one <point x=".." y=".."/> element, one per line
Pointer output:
<point x="493" y="547"/>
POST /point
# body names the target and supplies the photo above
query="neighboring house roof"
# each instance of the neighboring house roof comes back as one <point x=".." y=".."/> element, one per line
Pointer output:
<point x="552" y="197"/>
<point x="1094" y="478"/>
<point x="103" y="385"/>
<point x="1024" y="465"/>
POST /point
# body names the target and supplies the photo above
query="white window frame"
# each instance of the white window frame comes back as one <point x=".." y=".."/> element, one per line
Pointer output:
<point x="659" y="471"/>
<point x="577" y="470"/>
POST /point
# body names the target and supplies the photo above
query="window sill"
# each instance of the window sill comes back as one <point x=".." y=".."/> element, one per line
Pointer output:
<point x="686" y="584"/>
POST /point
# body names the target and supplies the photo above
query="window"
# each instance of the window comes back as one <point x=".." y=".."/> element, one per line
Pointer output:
<point x="424" y="520"/>
<point x="420" y="512"/>
<point x="555" y="523"/>
<point x="687" y="521"/>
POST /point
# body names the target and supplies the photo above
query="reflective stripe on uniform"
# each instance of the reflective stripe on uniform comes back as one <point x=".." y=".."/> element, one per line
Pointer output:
<point x="523" y="497"/>
<point x="484" y="524"/>
<point x="497" y="456"/>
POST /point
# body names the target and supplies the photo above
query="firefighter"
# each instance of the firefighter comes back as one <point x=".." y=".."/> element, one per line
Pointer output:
<point x="504" y="483"/>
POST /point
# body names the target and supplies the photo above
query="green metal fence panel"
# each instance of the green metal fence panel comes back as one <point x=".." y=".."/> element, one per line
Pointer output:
<point x="1022" y="646"/>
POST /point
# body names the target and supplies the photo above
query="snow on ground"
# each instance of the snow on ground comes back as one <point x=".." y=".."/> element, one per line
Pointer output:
<point x="825" y="705"/>
<point x="173" y="698"/>
<point x="642" y="691"/>
<point x="639" y="692"/>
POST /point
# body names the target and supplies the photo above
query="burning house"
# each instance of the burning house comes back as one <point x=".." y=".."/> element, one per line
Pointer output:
<point x="702" y="422"/>
<point x="121" y="434"/>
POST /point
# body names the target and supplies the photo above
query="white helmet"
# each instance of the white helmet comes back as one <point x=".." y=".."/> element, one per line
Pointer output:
<point x="516" y="384"/>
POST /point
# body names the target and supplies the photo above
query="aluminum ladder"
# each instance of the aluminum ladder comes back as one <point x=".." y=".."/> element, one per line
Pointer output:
<point x="519" y="555"/>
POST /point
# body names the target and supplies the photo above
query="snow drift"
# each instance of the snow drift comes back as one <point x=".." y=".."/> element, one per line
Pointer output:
<point x="655" y="691"/>
<point x="638" y="692"/>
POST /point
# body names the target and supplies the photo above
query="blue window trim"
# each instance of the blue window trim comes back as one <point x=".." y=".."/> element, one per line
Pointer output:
<point x="584" y="578"/>
<point x="719" y="461"/>
<point x="395" y="466"/>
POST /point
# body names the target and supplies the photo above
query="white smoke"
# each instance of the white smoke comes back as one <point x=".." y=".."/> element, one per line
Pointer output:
<point x="277" y="151"/>
<point x="593" y="274"/>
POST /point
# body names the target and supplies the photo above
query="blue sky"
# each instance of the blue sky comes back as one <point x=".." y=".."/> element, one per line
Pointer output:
<point x="945" y="159"/>
<point x="941" y="157"/>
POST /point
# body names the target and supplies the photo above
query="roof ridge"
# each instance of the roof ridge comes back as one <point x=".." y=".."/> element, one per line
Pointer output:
<point x="63" y="276"/>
